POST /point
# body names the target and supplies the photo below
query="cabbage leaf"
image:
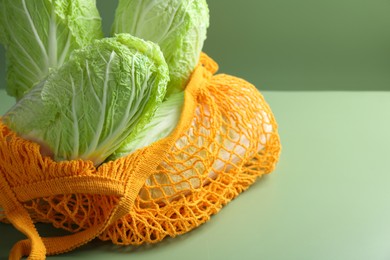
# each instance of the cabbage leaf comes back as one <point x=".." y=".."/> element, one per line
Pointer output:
<point x="103" y="95"/>
<point x="178" y="26"/>
<point x="161" y="125"/>
<point x="40" y="34"/>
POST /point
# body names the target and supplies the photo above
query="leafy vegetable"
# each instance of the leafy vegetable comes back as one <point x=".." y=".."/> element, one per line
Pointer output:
<point x="162" y="124"/>
<point x="107" y="92"/>
<point x="40" y="34"/>
<point x="178" y="26"/>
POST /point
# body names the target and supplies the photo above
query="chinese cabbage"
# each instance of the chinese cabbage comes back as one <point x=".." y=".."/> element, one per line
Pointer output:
<point x="178" y="26"/>
<point x="105" y="93"/>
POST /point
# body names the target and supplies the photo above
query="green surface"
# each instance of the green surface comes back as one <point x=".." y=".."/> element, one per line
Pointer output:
<point x="328" y="198"/>
<point x="295" y="45"/>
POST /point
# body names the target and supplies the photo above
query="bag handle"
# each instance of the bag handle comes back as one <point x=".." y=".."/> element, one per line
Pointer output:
<point x="21" y="220"/>
<point x="37" y="247"/>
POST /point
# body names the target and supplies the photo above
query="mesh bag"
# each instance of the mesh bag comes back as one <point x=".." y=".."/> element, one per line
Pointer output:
<point x="226" y="138"/>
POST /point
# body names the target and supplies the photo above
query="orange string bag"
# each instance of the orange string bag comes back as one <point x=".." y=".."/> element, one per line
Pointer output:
<point x="226" y="138"/>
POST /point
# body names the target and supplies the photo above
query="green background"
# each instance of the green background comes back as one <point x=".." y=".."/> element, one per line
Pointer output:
<point x="328" y="198"/>
<point x="295" y="44"/>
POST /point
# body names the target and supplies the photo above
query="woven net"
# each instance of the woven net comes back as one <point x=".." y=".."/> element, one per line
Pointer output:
<point x="229" y="140"/>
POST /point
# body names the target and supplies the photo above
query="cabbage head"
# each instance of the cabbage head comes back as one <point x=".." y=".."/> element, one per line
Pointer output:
<point x="178" y="26"/>
<point x="103" y="95"/>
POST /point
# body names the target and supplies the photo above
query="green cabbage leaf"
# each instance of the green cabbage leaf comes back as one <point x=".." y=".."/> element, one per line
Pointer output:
<point x="177" y="26"/>
<point x="39" y="35"/>
<point x="104" y="95"/>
